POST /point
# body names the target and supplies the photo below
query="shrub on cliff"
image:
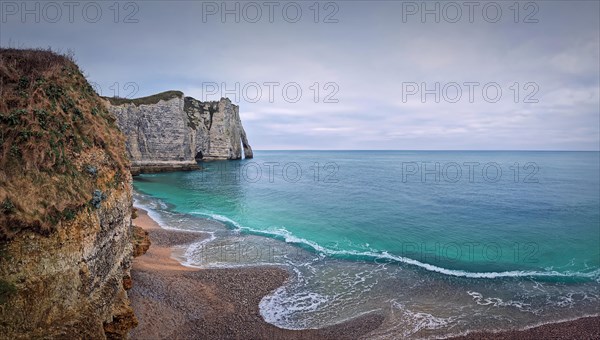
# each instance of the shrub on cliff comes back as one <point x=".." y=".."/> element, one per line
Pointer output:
<point x="6" y="289"/>
<point x="50" y="117"/>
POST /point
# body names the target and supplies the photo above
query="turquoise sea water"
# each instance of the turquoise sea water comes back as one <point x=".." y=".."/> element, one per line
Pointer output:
<point x="442" y="241"/>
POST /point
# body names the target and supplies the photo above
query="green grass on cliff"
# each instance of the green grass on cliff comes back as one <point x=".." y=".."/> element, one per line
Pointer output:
<point x="154" y="99"/>
<point x="6" y="290"/>
<point x="53" y="129"/>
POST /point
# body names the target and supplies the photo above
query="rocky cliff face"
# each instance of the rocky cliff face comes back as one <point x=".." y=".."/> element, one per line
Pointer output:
<point x="65" y="204"/>
<point x="69" y="284"/>
<point x="168" y="131"/>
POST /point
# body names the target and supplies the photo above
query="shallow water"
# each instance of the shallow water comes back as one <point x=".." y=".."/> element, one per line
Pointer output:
<point x="440" y="249"/>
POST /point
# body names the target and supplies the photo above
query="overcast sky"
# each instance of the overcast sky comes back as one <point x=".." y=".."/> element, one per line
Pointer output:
<point x="364" y="63"/>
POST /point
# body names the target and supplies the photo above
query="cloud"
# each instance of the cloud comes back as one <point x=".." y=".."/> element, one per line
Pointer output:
<point x="360" y="64"/>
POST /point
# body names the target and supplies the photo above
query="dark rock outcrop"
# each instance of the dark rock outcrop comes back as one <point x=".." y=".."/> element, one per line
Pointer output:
<point x="141" y="241"/>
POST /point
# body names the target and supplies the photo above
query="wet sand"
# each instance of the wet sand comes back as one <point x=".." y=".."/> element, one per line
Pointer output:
<point x="176" y="302"/>
<point x="584" y="328"/>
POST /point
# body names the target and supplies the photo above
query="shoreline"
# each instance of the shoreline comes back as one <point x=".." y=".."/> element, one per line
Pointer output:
<point x="171" y="300"/>
<point x="174" y="301"/>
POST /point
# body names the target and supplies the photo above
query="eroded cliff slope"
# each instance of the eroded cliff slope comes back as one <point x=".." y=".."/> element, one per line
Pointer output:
<point x="169" y="131"/>
<point x="65" y="204"/>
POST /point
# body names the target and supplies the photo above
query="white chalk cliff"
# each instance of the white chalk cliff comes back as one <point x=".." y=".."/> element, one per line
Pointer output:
<point x="169" y="131"/>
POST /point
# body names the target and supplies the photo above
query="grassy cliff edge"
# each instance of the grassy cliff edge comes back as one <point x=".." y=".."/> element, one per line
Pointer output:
<point x="65" y="203"/>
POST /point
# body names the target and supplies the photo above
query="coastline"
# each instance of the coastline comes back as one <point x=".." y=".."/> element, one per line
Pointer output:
<point x="174" y="301"/>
